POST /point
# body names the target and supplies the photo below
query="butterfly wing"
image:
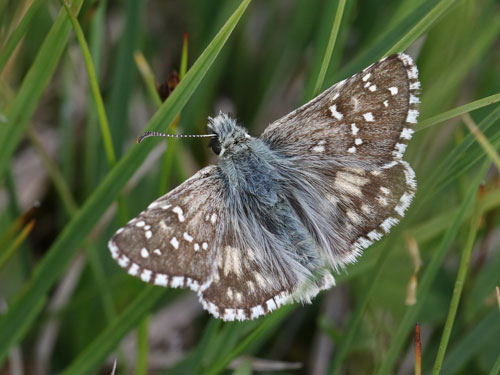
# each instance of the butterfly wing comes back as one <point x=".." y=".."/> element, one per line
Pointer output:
<point x="173" y="242"/>
<point x="348" y="145"/>
<point x="369" y="115"/>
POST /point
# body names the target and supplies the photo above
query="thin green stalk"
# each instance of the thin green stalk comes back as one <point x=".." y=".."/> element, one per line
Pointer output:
<point x="424" y="24"/>
<point x="469" y="107"/>
<point x="495" y="370"/>
<point x="34" y="83"/>
<point x="457" y="292"/>
<point x="142" y="347"/>
<point x="184" y="57"/>
<point x="6" y="255"/>
<point x="430" y="273"/>
<point x="101" y="112"/>
<point x="94" y="87"/>
<point x="15" y="37"/>
<point x="148" y="77"/>
<point x="329" y="48"/>
<point x="482" y="140"/>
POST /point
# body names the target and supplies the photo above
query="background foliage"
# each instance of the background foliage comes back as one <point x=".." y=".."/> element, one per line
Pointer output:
<point x="77" y="87"/>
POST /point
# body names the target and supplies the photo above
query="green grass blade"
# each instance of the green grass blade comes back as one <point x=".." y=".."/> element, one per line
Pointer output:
<point x="472" y="342"/>
<point x="421" y="26"/>
<point x="142" y="347"/>
<point x="329" y="48"/>
<point x="15" y="38"/>
<point x="409" y="318"/>
<point x="94" y="87"/>
<point x="96" y="353"/>
<point x="66" y="245"/>
<point x="495" y="370"/>
<point x="399" y="35"/>
<point x="457" y="293"/>
<point x="466" y="108"/>
<point x="124" y="73"/>
<point x="267" y="323"/>
<point x="36" y="80"/>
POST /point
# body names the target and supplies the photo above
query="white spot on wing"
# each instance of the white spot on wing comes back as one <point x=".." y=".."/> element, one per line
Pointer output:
<point x="177" y="281"/>
<point x="388" y="223"/>
<point x="407" y="133"/>
<point x="144" y="252"/>
<point x="412" y="116"/>
<point x="204" y="246"/>
<point x="256" y="311"/>
<point x="354" y="217"/>
<point x="196" y="247"/>
<point x="414" y="99"/>
<point x="352" y="149"/>
<point x="393" y="90"/>
<point x="386" y="103"/>
<point x="161" y="279"/>
<point x="335" y="113"/>
<point x="140" y="224"/>
<point x="123" y="261"/>
<point x="157" y="251"/>
<point x="187" y="237"/>
<point x="404" y="203"/>
<point x="358" y="141"/>
<point x="354" y="129"/>
<point x="146" y="275"/>
<point x="179" y="212"/>
<point x="368" y="117"/>
<point x="367" y="77"/>
<point x="415" y="86"/>
<point x="148" y="234"/>
<point x="372" y="88"/>
<point x="134" y="268"/>
<point x="174" y="242"/>
<point x="213" y="219"/>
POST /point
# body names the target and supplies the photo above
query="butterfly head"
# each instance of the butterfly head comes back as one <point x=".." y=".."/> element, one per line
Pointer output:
<point x="230" y="137"/>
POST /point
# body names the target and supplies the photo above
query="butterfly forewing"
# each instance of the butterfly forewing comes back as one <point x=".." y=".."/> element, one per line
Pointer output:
<point x="172" y="242"/>
<point x="369" y="115"/>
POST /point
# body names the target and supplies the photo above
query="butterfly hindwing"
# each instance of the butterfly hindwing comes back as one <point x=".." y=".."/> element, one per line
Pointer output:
<point x="172" y="242"/>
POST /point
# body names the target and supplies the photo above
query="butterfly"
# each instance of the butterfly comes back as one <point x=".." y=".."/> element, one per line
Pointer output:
<point x="278" y="214"/>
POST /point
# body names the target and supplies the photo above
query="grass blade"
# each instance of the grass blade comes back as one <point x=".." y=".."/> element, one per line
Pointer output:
<point x="35" y="82"/>
<point x="469" y="107"/>
<point x="329" y="48"/>
<point x="430" y="273"/>
<point x="66" y="245"/>
<point x="457" y="293"/>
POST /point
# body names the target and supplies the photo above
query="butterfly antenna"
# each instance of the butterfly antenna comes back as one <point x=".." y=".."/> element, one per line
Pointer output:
<point x="158" y="134"/>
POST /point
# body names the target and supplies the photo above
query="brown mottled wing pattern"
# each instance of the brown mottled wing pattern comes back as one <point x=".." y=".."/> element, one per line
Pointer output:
<point x="369" y="115"/>
<point x="365" y="123"/>
<point x="172" y="242"/>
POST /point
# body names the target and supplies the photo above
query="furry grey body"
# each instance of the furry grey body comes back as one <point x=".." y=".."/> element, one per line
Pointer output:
<point x="260" y="212"/>
<point x="270" y="222"/>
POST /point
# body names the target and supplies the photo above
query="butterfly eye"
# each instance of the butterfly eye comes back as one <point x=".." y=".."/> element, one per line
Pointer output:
<point x="215" y="145"/>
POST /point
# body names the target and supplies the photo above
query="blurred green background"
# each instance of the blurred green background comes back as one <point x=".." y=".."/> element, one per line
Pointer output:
<point x="78" y="86"/>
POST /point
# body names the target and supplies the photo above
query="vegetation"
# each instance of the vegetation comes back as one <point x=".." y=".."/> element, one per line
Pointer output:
<point x="77" y="86"/>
